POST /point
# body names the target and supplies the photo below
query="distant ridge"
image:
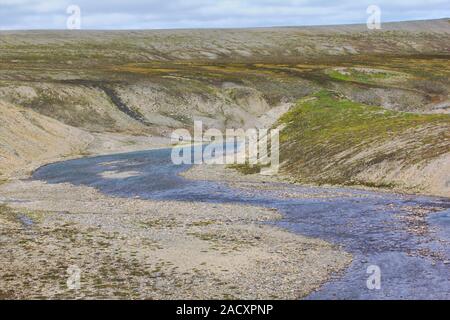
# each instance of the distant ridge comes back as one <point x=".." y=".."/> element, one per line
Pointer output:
<point x="441" y="25"/>
<point x="415" y="26"/>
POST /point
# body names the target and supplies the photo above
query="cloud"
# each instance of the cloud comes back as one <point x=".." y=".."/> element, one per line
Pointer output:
<point x="149" y="14"/>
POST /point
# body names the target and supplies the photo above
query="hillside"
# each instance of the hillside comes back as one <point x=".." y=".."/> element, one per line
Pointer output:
<point x="328" y="139"/>
<point x="147" y="83"/>
<point x="27" y="136"/>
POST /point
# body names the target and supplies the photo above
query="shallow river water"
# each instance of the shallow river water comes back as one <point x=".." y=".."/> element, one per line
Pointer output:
<point x="377" y="228"/>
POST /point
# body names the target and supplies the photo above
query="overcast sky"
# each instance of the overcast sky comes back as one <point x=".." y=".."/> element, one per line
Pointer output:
<point x="151" y="14"/>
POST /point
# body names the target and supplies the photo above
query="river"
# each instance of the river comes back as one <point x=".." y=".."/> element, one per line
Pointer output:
<point x="377" y="228"/>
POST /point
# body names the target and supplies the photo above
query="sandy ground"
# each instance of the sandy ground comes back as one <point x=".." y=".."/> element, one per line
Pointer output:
<point x="140" y="249"/>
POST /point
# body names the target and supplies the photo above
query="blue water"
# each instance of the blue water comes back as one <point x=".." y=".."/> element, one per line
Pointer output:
<point x="370" y="225"/>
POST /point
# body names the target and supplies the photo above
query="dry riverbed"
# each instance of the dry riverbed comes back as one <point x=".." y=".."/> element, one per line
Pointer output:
<point x="143" y="249"/>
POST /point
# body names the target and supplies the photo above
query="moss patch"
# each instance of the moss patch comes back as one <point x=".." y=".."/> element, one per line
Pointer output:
<point x="246" y="168"/>
<point x="363" y="75"/>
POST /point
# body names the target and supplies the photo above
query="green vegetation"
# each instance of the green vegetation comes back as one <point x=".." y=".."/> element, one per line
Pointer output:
<point x="225" y="243"/>
<point x="7" y="214"/>
<point x="202" y="223"/>
<point x="246" y="168"/>
<point x="14" y="215"/>
<point x="4" y="209"/>
<point x="363" y="75"/>
<point x="329" y="139"/>
<point x="160" y="223"/>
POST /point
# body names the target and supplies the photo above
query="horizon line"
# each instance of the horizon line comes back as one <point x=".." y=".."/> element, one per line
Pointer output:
<point x="230" y="28"/>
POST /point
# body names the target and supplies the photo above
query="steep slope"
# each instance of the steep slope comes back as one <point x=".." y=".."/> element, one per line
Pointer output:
<point x="27" y="138"/>
<point x="328" y="139"/>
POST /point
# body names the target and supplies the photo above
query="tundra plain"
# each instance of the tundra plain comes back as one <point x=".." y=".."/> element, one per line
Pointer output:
<point x="360" y="108"/>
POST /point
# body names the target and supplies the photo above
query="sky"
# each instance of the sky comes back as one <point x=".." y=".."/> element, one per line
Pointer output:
<point x="164" y="14"/>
